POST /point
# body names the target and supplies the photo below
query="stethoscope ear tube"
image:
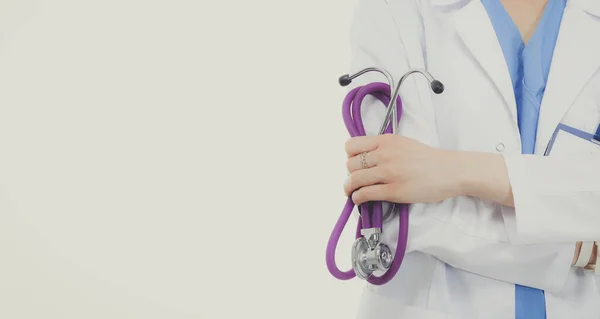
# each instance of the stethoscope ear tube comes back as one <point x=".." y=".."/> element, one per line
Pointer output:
<point x="369" y="254"/>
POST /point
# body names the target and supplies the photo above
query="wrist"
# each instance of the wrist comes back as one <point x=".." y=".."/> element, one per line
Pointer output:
<point x="481" y="175"/>
<point x="461" y="172"/>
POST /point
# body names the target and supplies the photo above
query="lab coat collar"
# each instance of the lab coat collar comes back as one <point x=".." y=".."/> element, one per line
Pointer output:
<point x="576" y="59"/>
<point x="447" y="2"/>
<point x="474" y="27"/>
<point x="590" y="6"/>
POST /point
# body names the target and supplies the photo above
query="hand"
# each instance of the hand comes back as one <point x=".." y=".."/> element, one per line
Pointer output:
<point x="591" y="262"/>
<point x="400" y="170"/>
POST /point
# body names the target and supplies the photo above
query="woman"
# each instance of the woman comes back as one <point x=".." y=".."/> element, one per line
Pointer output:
<point x="496" y="227"/>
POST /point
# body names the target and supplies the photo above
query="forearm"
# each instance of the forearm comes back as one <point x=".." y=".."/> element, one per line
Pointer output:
<point x="544" y="266"/>
<point x="482" y="175"/>
<point x="485" y="176"/>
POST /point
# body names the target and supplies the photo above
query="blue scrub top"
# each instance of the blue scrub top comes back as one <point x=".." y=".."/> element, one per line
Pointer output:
<point x="528" y="66"/>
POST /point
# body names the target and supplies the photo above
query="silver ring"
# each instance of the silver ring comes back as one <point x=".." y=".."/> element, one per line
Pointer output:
<point x="363" y="160"/>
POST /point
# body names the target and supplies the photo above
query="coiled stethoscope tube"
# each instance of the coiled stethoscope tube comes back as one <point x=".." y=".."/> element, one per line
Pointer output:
<point x="368" y="253"/>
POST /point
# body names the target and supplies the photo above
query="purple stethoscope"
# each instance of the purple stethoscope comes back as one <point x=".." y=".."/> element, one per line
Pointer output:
<point x="368" y="253"/>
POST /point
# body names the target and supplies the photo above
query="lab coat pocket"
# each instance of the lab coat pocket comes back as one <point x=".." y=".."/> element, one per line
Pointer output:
<point x="585" y="112"/>
<point x="479" y="218"/>
<point x="573" y="134"/>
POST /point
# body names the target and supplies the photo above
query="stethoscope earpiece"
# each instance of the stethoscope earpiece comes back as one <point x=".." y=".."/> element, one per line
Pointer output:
<point x="345" y="80"/>
<point x="437" y="87"/>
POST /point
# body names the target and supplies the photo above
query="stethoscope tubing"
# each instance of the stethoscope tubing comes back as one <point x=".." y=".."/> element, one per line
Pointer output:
<point x="371" y="213"/>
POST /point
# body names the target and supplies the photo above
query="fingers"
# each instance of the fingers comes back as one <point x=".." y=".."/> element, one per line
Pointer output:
<point x="378" y="192"/>
<point x="362" y="178"/>
<point x="360" y="144"/>
<point x="370" y="159"/>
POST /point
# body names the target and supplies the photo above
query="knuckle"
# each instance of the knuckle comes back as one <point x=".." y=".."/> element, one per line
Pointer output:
<point x="348" y="183"/>
<point x="396" y="176"/>
<point x="354" y="183"/>
<point x="347" y="146"/>
<point x="354" y="180"/>
<point x="357" y="197"/>
<point x="386" y="172"/>
<point x="389" y="138"/>
<point x="383" y="155"/>
<point x="369" y="193"/>
<point x="383" y="139"/>
<point x="396" y="194"/>
<point x="349" y="187"/>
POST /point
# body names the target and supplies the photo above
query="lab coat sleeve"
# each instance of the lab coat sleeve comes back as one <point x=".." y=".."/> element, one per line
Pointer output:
<point x="557" y="198"/>
<point x="388" y="35"/>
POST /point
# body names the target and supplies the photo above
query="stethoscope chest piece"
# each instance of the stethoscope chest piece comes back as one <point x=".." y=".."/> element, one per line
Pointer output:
<point x="369" y="254"/>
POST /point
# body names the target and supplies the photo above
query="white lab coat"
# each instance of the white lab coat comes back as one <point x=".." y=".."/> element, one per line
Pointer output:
<point x="465" y="254"/>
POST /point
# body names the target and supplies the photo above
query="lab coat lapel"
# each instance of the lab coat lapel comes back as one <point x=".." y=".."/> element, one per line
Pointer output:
<point x="477" y="32"/>
<point x="576" y="58"/>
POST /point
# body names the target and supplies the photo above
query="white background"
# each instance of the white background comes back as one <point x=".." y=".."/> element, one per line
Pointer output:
<point x="172" y="159"/>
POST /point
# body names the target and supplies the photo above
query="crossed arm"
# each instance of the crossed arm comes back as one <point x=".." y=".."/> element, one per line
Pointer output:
<point x="423" y="173"/>
<point x="403" y="170"/>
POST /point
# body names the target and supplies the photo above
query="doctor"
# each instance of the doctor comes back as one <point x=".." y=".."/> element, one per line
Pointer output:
<point x="496" y="227"/>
